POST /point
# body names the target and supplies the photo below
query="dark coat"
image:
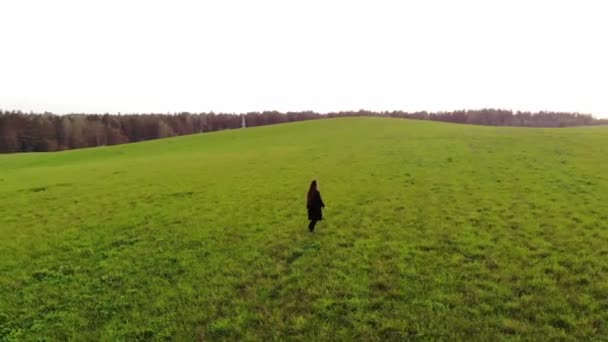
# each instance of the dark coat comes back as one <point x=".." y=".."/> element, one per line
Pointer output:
<point x="314" y="206"/>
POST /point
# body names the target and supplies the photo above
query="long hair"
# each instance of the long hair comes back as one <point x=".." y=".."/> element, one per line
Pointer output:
<point x="312" y="191"/>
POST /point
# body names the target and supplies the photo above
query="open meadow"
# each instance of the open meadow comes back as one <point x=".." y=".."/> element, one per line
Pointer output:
<point x="431" y="231"/>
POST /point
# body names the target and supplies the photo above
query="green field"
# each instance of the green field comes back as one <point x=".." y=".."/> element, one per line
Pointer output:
<point x="431" y="231"/>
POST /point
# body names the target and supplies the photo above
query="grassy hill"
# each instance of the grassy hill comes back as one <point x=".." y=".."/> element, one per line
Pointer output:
<point x="432" y="231"/>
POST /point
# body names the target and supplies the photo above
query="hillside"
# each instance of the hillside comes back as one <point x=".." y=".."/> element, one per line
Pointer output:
<point x="432" y="230"/>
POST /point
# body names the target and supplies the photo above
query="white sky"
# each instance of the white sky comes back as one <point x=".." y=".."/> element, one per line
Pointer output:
<point x="238" y="56"/>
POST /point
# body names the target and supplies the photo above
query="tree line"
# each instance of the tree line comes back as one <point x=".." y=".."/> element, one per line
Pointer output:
<point x="21" y="132"/>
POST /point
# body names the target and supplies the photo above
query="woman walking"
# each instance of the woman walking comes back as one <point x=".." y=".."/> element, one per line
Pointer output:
<point x="314" y="204"/>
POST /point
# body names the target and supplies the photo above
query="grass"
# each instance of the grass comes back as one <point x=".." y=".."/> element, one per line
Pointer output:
<point x="432" y="231"/>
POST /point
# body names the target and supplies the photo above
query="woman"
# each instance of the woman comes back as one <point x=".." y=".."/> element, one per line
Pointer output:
<point x="314" y="205"/>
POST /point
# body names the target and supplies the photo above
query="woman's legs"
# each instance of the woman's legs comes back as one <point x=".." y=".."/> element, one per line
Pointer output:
<point x="311" y="225"/>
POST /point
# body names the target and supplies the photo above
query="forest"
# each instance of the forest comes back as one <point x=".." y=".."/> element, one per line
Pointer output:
<point x="47" y="132"/>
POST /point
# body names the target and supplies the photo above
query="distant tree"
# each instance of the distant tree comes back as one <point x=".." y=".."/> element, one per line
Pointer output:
<point x="164" y="130"/>
<point x="77" y="138"/>
<point x="9" y="139"/>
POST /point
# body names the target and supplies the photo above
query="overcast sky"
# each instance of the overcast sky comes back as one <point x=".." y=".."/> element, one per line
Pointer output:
<point x="238" y="56"/>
